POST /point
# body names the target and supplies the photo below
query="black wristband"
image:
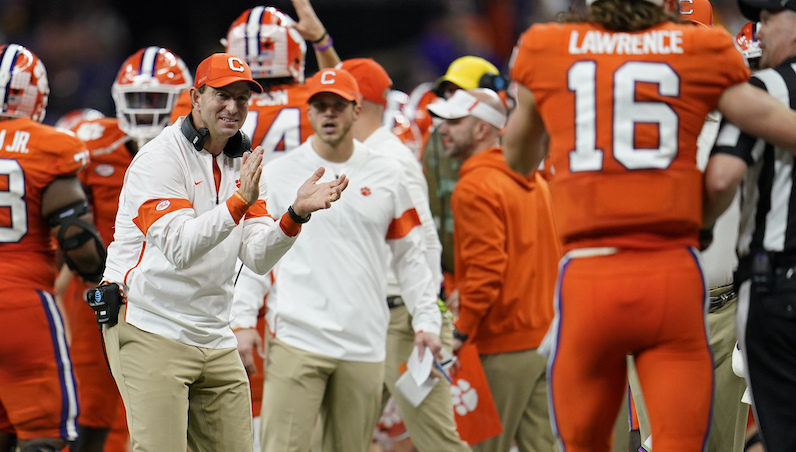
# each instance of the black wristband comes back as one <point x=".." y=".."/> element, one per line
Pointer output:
<point x="296" y="218"/>
<point x="459" y="335"/>
<point x="325" y="33"/>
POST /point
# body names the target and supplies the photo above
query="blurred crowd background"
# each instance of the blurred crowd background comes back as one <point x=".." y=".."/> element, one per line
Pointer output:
<point x="83" y="42"/>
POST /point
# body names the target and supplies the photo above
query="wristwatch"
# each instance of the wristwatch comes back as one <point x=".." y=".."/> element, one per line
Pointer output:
<point x="294" y="216"/>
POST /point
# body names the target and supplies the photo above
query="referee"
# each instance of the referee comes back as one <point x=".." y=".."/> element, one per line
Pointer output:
<point x="766" y="276"/>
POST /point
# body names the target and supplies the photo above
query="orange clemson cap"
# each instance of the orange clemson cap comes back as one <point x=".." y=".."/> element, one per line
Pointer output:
<point x="222" y="69"/>
<point x="334" y="80"/>
<point x="374" y="82"/>
<point x="697" y="11"/>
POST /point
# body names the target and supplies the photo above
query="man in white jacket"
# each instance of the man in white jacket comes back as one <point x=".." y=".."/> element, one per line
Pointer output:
<point x="431" y="424"/>
<point x="189" y="207"/>
<point x="330" y="314"/>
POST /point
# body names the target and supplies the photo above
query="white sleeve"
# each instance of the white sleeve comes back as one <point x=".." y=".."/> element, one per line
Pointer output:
<point x="264" y="240"/>
<point x="411" y="267"/>
<point x="181" y="235"/>
<point x="418" y="192"/>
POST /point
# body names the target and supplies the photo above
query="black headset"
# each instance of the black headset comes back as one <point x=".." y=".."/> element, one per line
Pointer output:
<point x="236" y="146"/>
<point x="495" y="82"/>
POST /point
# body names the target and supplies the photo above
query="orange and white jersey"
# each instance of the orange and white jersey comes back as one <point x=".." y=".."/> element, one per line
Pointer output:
<point x="277" y="118"/>
<point x="32" y="155"/>
<point x="623" y="112"/>
<point x="103" y="176"/>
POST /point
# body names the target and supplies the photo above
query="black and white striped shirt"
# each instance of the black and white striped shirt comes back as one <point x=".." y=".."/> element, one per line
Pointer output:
<point x="768" y="202"/>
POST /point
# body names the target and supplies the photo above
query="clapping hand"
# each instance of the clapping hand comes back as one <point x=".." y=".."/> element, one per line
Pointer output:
<point x="250" y="172"/>
<point x="312" y="196"/>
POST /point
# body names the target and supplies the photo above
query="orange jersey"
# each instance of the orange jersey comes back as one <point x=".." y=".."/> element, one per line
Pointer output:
<point x="623" y="112"/>
<point x="103" y="176"/>
<point x="32" y="155"/>
<point x="277" y="118"/>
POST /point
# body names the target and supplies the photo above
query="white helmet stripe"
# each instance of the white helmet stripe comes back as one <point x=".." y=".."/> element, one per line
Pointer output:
<point x="148" y="61"/>
<point x="252" y="33"/>
<point x="7" y="67"/>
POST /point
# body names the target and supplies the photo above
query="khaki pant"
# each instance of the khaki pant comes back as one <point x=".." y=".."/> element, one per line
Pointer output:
<point x="431" y="425"/>
<point x="170" y="388"/>
<point x="518" y="382"/>
<point x="299" y="385"/>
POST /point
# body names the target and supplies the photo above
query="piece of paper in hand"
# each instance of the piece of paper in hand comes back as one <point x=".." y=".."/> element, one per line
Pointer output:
<point x="420" y="370"/>
<point x="413" y="392"/>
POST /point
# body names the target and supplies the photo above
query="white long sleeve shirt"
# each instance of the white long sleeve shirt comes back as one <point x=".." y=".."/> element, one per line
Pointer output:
<point x="383" y="142"/>
<point x="176" y="242"/>
<point x="332" y="283"/>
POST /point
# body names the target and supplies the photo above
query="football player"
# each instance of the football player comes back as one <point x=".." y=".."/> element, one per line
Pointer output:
<point x="40" y="198"/>
<point x="622" y="92"/>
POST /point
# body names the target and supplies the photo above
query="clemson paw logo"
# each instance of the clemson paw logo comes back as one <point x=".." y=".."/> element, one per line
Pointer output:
<point x="464" y="397"/>
<point x="365" y="191"/>
<point x="89" y="131"/>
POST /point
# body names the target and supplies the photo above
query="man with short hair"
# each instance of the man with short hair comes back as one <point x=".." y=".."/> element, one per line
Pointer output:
<point x="506" y="276"/>
<point x="431" y="424"/>
<point x="767" y="244"/>
<point x="328" y="349"/>
<point x="189" y="207"/>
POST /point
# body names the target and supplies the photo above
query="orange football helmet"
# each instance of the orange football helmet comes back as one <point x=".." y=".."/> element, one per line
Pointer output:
<point x="146" y="89"/>
<point x="747" y="43"/>
<point x="24" y="88"/>
<point x="264" y="37"/>
<point x="697" y="11"/>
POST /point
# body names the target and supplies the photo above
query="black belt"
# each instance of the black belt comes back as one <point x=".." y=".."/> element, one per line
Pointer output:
<point x="776" y="260"/>
<point x="395" y="301"/>
<point x="719" y="297"/>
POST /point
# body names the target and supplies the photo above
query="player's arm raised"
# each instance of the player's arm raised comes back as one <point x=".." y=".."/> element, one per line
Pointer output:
<point x="523" y="140"/>
<point x="311" y="29"/>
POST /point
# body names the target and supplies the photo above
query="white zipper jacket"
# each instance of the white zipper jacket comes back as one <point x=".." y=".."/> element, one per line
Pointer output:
<point x="176" y="241"/>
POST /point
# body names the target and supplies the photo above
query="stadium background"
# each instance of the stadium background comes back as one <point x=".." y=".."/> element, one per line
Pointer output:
<point x="83" y="42"/>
